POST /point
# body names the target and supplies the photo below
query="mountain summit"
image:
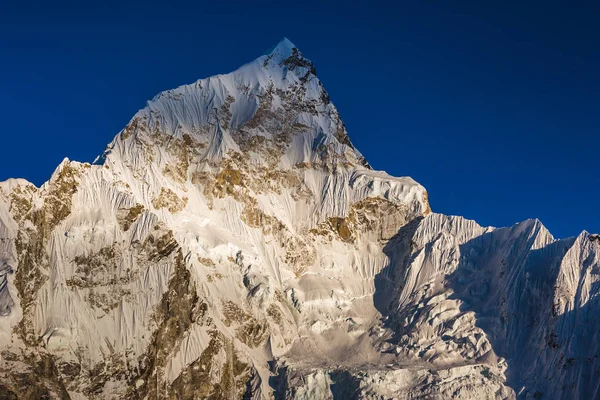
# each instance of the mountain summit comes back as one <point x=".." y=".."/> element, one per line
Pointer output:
<point x="285" y="47"/>
<point x="231" y="242"/>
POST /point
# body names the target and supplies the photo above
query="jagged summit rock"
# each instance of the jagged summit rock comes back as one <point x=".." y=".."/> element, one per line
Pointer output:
<point x="231" y="242"/>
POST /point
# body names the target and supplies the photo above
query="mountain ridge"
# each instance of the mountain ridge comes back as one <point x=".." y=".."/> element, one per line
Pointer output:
<point x="232" y="243"/>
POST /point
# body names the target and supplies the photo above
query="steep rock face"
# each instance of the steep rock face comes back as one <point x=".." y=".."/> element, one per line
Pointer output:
<point x="232" y="243"/>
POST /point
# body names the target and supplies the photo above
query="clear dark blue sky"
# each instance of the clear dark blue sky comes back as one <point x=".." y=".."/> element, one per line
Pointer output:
<point x="493" y="106"/>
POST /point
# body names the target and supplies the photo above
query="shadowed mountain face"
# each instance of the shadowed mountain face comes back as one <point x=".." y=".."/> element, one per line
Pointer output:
<point x="230" y="242"/>
<point x="510" y="300"/>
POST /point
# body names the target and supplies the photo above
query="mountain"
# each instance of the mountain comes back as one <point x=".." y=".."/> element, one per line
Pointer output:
<point x="231" y="242"/>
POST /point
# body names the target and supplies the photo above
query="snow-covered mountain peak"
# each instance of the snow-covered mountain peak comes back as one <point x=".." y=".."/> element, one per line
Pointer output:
<point x="272" y="114"/>
<point x="282" y="50"/>
<point x="276" y="97"/>
<point x="232" y="243"/>
<point x="284" y="46"/>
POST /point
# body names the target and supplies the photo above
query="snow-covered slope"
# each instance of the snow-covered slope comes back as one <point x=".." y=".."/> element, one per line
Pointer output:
<point x="230" y="242"/>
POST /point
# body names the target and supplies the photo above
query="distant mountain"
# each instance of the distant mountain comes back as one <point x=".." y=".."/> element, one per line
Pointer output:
<point x="231" y="243"/>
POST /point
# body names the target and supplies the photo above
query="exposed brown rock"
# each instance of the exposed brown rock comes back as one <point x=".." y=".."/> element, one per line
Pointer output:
<point x="40" y="380"/>
<point x="160" y="244"/>
<point x="249" y="331"/>
<point x="180" y="307"/>
<point x="340" y="226"/>
<point x="128" y="216"/>
<point x="206" y="261"/>
<point x="197" y="380"/>
<point x="263" y="112"/>
<point x="57" y="201"/>
<point x="169" y="200"/>
<point x="372" y="215"/>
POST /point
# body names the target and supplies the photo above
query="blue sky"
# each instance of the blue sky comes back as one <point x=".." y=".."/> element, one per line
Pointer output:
<point x="492" y="106"/>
